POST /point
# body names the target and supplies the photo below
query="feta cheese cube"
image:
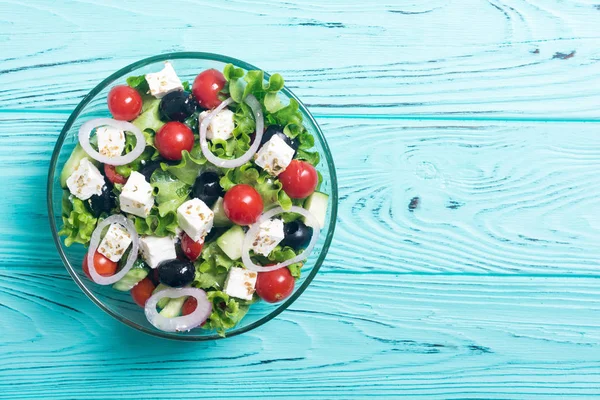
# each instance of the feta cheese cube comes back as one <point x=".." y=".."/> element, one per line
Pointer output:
<point x="270" y="234"/>
<point x="115" y="242"/>
<point x="156" y="249"/>
<point x="240" y="283"/>
<point x="195" y="218"/>
<point x="111" y="141"/>
<point x="163" y="82"/>
<point x="274" y="156"/>
<point x="86" y="180"/>
<point x="221" y="126"/>
<point x="136" y="197"/>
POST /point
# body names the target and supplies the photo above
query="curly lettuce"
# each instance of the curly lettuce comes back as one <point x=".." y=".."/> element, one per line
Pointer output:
<point x="226" y="312"/>
<point x="189" y="167"/>
<point x="78" y="221"/>
<point x="269" y="188"/>
<point x="155" y="224"/>
<point x="169" y="192"/>
<point x="212" y="267"/>
<point x="139" y="83"/>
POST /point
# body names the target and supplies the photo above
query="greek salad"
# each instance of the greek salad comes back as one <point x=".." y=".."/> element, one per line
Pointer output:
<point x="198" y="199"/>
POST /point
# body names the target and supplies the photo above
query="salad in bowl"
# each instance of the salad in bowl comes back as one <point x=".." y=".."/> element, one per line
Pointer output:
<point x="200" y="198"/>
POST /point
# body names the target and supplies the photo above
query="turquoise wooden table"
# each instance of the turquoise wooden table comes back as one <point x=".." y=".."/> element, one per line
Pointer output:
<point x="485" y="112"/>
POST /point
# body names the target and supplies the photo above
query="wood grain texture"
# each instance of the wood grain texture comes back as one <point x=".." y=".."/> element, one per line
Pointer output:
<point x="493" y="197"/>
<point x="438" y="337"/>
<point x="466" y="257"/>
<point x="493" y="57"/>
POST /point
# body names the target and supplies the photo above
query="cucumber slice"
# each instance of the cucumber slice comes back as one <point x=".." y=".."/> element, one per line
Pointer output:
<point x="220" y="218"/>
<point x="173" y="307"/>
<point x="231" y="242"/>
<point x="162" y="303"/>
<point x="73" y="162"/>
<point x="138" y="272"/>
<point x="316" y="204"/>
<point x="150" y="118"/>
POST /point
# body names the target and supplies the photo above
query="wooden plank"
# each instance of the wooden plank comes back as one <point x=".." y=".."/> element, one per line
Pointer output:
<point x="440" y="337"/>
<point x="493" y="197"/>
<point x="434" y="57"/>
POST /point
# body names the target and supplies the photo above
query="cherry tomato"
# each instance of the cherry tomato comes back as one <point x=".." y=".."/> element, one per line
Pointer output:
<point x="274" y="286"/>
<point x="124" y="103"/>
<point x="111" y="174"/>
<point x="189" y="306"/>
<point x="172" y="139"/>
<point x="206" y="88"/>
<point x="299" y="179"/>
<point x="190" y="248"/>
<point x="242" y="204"/>
<point x="102" y="265"/>
<point x="142" y="291"/>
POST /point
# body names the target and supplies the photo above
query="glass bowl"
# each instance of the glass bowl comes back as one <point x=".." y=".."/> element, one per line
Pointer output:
<point x="119" y="304"/>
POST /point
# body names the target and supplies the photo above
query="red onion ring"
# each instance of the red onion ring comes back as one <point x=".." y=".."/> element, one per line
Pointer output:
<point x="236" y="162"/>
<point x="251" y="234"/>
<point x="86" y="130"/>
<point x="95" y="242"/>
<point x="183" y="323"/>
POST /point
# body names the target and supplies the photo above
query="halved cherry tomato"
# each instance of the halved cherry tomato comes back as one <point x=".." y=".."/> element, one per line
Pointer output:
<point x="124" y="103"/>
<point x="142" y="291"/>
<point x="111" y="174"/>
<point x="172" y="139"/>
<point x="190" y="248"/>
<point x="274" y="286"/>
<point x="102" y="265"/>
<point x="206" y="88"/>
<point x="189" y="306"/>
<point x="299" y="179"/>
<point x="242" y="204"/>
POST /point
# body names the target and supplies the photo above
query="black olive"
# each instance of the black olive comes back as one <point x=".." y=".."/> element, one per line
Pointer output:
<point x="177" y="106"/>
<point x="148" y="169"/>
<point x="214" y="233"/>
<point x="207" y="188"/>
<point x="104" y="202"/>
<point x="296" y="234"/>
<point x="277" y="130"/>
<point x="176" y="273"/>
<point x="179" y="250"/>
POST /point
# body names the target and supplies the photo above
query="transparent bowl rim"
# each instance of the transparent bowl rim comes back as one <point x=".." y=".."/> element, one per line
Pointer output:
<point x="54" y="160"/>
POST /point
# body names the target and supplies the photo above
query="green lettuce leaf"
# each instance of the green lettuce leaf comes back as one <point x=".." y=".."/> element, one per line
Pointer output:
<point x="155" y="224"/>
<point x="189" y="167"/>
<point x="78" y="221"/>
<point x="312" y="157"/>
<point x="212" y="267"/>
<point x="239" y="86"/>
<point x="280" y="254"/>
<point x="269" y="188"/>
<point x="150" y="116"/>
<point x="139" y="83"/>
<point x="150" y="153"/>
<point x="244" y="121"/>
<point x="226" y="312"/>
<point x="169" y="192"/>
<point x="289" y="114"/>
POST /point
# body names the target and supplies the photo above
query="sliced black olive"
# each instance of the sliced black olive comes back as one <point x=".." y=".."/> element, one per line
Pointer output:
<point x="277" y="130"/>
<point x="296" y="235"/>
<point x="177" y="106"/>
<point x="176" y="273"/>
<point x="148" y="169"/>
<point x="207" y="188"/>
<point x="104" y="202"/>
